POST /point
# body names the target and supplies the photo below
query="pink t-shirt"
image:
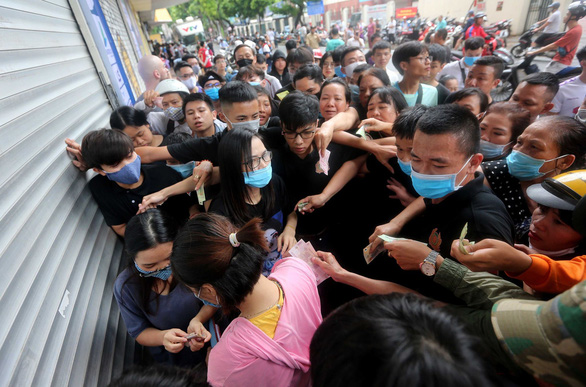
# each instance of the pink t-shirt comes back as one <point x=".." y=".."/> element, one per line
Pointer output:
<point x="246" y="356"/>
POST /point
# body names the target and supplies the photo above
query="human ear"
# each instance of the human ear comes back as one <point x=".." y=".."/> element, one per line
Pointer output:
<point x="99" y="171"/>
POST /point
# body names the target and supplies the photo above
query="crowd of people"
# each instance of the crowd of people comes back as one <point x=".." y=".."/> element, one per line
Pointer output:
<point x="451" y="228"/>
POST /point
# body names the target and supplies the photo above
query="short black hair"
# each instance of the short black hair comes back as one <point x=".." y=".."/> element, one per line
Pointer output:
<point x="410" y="342"/>
<point x="445" y="78"/>
<point x="198" y="97"/>
<point x="243" y="45"/>
<point x="581" y="54"/>
<point x="249" y="71"/>
<point x="452" y="119"/>
<point x="442" y="33"/>
<point x="437" y="53"/>
<point x="467" y="92"/>
<point x="473" y="43"/>
<point x="180" y="65"/>
<point x="261" y="59"/>
<point x="361" y="68"/>
<point x="492" y="61"/>
<point x="291" y="44"/>
<point x="392" y="96"/>
<point x="127" y="116"/>
<point x="177" y="138"/>
<point x="549" y="80"/>
<point x="236" y="91"/>
<point x="310" y="71"/>
<point x="300" y="55"/>
<point x="375" y="72"/>
<point x="324" y="57"/>
<point x="380" y="45"/>
<point x="405" y="52"/>
<point x="337" y="53"/>
<point x="341" y="82"/>
<point x="334" y="31"/>
<point x="298" y="109"/>
<point x="347" y="51"/>
<point x="185" y="57"/>
<point x="105" y="147"/>
<point x="570" y="136"/>
<point x="217" y="57"/>
<point x="406" y="123"/>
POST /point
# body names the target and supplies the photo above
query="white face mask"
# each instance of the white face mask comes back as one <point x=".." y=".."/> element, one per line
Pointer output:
<point x="581" y="116"/>
<point x="252" y="125"/>
<point x="350" y="68"/>
<point x="190" y="83"/>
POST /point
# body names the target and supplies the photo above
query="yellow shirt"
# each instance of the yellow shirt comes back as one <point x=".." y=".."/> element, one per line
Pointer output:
<point x="268" y="320"/>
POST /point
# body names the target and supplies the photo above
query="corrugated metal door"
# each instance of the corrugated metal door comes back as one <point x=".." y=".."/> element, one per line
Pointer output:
<point x="59" y="325"/>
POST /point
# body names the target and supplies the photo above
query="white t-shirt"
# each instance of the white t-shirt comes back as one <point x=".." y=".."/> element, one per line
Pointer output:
<point x="455" y="69"/>
<point x="158" y="123"/>
<point x="353" y="42"/>
<point x="392" y="26"/>
<point x="569" y="98"/>
<point x="554" y="23"/>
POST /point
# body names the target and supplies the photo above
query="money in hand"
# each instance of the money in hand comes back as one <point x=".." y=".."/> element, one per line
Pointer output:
<point x="463" y="242"/>
<point x="323" y="165"/>
<point x="201" y="195"/>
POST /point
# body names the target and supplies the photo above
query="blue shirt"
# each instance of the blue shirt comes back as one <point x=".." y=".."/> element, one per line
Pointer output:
<point x="429" y="97"/>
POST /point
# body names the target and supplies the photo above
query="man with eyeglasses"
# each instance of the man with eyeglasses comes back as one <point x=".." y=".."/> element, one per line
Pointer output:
<point x="412" y="61"/>
<point x="212" y="82"/>
<point x="185" y="75"/>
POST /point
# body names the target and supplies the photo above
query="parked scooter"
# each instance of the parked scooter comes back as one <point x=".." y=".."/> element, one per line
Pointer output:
<point x="519" y="50"/>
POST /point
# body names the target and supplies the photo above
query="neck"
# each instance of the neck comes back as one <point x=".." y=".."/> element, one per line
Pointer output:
<point x="152" y="85"/>
<point x="582" y="77"/>
<point x="222" y="72"/>
<point x="135" y="185"/>
<point x="254" y="195"/>
<point x="204" y="133"/>
<point x="409" y="85"/>
<point x="264" y="294"/>
<point x="430" y="82"/>
<point x="466" y="180"/>
<point x="572" y="24"/>
<point x="157" y="140"/>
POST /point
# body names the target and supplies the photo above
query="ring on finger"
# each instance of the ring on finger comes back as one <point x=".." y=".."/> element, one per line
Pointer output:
<point x="196" y="176"/>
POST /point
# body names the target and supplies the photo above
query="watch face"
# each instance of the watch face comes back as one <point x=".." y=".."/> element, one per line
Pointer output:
<point x="427" y="268"/>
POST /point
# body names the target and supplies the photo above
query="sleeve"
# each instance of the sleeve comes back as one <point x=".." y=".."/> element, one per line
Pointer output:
<point x="133" y="316"/>
<point x="550" y="276"/>
<point x="106" y="204"/>
<point x="196" y="149"/>
<point x="477" y="290"/>
<point x="158" y="123"/>
<point x="557" y="102"/>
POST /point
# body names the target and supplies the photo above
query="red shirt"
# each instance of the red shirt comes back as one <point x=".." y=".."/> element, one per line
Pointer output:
<point x="475" y="31"/>
<point x="205" y="57"/>
<point x="569" y="42"/>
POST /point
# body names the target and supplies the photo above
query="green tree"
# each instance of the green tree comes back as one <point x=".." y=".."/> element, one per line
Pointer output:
<point x="294" y="8"/>
<point x="210" y="11"/>
<point x="246" y="9"/>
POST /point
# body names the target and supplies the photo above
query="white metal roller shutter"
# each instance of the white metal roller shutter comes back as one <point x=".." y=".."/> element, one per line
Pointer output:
<point x="53" y="239"/>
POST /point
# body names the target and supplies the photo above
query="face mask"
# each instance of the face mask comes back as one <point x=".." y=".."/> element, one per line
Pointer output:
<point x="190" y="83"/>
<point x="259" y="178"/>
<point x="581" y="116"/>
<point x="162" y="274"/>
<point x="254" y="83"/>
<point x="338" y="72"/>
<point x="554" y="254"/>
<point x="350" y="68"/>
<point x="185" y="170"/>
<point x="490" y="150"/>
<point x="174" y="113"/>
<point x="469" y="60"/>
<point x="244" y="62"/>
<point x="207" y="302"/>
<point x="195" y="69"/>
<point x="213" y="93"/>
<point x="436" y="186"/>
<point x="252" y="125"/>
<point x="524" y="167"/>
<point x="405" y="167"/>
<point x="128" y="174"/>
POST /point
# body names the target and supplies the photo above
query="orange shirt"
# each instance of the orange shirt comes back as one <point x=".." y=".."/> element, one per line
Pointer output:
<point x="550" y="276"/>
<point x="569" y="42"/>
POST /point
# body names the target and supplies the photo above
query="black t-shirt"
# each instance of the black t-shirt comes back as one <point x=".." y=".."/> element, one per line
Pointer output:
<point x="289" y="89"/>
<point x="302" y="180"/>
<point x="442" y="93"/>
<point x="119" y="205"/>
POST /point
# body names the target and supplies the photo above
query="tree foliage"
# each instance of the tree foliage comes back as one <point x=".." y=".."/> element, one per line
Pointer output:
<point x="210" y="11"/>
<point x="294" y="8"/>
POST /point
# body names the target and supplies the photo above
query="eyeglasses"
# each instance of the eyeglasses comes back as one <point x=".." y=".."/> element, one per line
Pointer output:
<point x="212" y="85"/>
<point x="254" y="162"/>
<point x="293" y="135"/>
<point x="423" y="59"/>
<point x="332" y="65"/>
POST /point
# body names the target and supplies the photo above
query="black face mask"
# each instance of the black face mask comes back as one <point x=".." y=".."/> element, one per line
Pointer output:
<point x="244" y="62"/>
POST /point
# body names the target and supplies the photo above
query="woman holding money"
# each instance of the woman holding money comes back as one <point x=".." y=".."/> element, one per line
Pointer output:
<point x="157" y="310"/>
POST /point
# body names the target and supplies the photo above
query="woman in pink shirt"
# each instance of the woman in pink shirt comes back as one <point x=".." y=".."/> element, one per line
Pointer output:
<point x="268" y="343"/>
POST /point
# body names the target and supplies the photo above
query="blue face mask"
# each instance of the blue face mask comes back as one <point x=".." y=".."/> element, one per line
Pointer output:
<point x="254" y="83"/>
<point x="338" y="72"/>
<point x="490" y="150"/>
<point x="405" y="167"/>
<point x="162" y="274"/>
<point x="436" y="186"/>
<point x="128" y="174"/>
<point x="185" y="170"/>
<point x="207" y="302"/>
<point x="213" y="93"/>
<point x="524" y="167"/>
<point x="469" y="60"/>
<point x="259" y="178"/>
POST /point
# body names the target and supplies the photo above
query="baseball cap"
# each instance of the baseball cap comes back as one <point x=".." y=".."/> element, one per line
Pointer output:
<point x="546" y="338"/>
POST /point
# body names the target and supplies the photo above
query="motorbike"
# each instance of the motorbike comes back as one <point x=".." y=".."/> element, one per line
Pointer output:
<point x="500" y="30"/>
<point x="520" y="49"/>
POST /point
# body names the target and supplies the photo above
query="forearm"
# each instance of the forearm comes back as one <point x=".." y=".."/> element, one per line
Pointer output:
<point x="369" y="285"/>
<point x="348" y="139"/>
<point x="184" y="186"/>
<point x="205" y="313"/>
<point x="151" y="337"/>
<point x="215" y="176"/>
<point x="346" y="173"/>
<point x="549" y="47"/>
<point x="291" y="221"/>
<point x="149" y="154"/>
<point x="417" y="207"/>
<point x="343" y="121"/>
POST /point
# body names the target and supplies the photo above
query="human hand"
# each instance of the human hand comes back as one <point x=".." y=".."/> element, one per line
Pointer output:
<point x="409" y="254"/>
<point x="286" y="240"/>
<point x="174" y="340"/>
<point x="530" y="53"/>
<point x="313" y="202"/>
<point x="383" y="153"/>
<point x="203" y="335"/>
<point x="202" y="173"/>
<point x="390" y="229"/>
<point x="152" y="201"/>
<point x="75" y="150"/>
<point x="149" y="98"/>
<point x="329" y="264"/>
<point x="400" y="191"/>
<point x="323" y="137"/>
<point x="492" y="255"/>
<point x="374" y="125"/>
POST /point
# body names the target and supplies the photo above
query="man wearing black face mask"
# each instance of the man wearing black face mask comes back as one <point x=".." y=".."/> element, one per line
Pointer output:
<point x="244" y="55"/>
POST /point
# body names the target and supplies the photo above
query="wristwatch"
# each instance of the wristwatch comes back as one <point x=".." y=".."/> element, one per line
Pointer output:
<point x="427" y="267"/>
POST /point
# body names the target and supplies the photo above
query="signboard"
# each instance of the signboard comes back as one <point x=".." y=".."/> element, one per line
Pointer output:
<point x="408" y="12"/>
<point x="315" y="7"/>
<point x="191" y="28"/>
<point x="378" y="12"/>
